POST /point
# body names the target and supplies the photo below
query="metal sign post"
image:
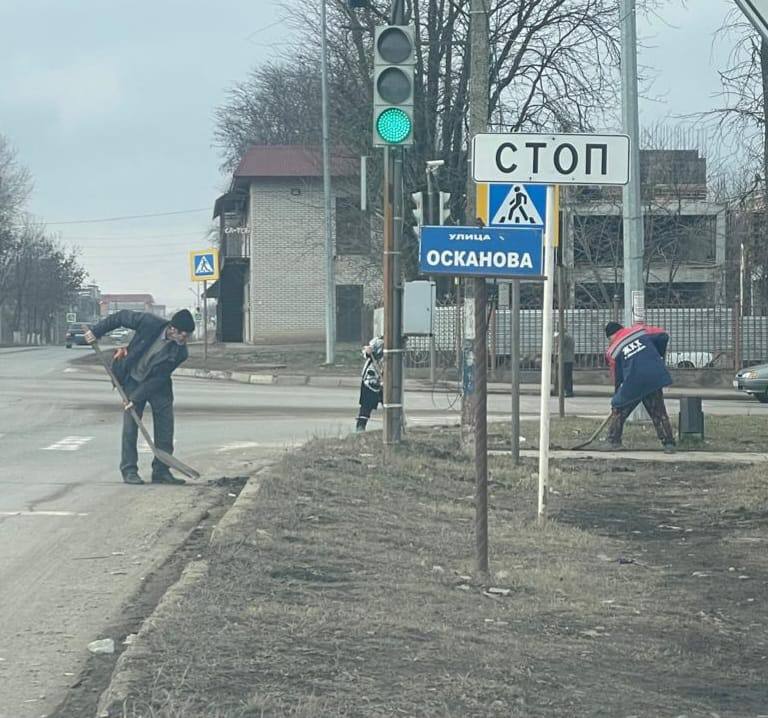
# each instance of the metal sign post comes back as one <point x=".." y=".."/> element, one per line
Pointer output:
<point x="757" y="13"/>
<point x="564" y="159"/>
<point x="546" y="350"/>
<point x="204" y="267"/>
<point x="205" y="325"/>
<point x="514" y="358"/>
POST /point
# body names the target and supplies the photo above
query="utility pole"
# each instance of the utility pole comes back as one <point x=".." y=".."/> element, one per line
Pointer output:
<point x="393" y="281"/>
<point x="475" y="403"/>
<point x="330" y="282"/>
<point x="634" y="240"/>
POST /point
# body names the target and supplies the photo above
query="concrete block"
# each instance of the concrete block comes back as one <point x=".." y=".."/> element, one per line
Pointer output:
<point x="262" y="379"/>
<point x="291" y="380"/>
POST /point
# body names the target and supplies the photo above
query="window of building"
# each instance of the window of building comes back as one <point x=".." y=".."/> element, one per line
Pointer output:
<point x="353" y="228"/>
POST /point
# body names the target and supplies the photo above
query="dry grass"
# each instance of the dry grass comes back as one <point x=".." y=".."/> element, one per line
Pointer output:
<point x="722" y="433"/>
<point x="350" y="595"/>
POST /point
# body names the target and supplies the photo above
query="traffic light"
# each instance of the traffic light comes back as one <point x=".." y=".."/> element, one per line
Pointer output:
<point x="393" y="77"/>
<point x="418" y="208"/>
<point x="444" y="207"/>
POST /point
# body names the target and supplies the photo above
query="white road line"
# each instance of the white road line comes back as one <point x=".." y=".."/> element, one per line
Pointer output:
<point x="69" y="443"/>
<point x="238" y="445"/>
<point x="41" y="513"/>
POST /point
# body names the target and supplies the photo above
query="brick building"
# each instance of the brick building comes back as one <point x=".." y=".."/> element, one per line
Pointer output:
<point x="135" y="301"/>
<point x="271" y="237"/>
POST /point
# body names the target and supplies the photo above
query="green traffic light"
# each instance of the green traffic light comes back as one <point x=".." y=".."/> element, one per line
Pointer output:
<point x="394" y="125"/>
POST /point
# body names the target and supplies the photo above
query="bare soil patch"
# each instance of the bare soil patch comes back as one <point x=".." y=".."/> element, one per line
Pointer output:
<point x="350" y="594"/>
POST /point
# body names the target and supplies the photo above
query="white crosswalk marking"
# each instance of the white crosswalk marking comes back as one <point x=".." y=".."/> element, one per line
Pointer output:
<point x="69" y="443"/>
<point x="41" y="513"/>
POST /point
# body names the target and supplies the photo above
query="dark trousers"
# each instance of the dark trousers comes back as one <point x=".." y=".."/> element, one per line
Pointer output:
<point x="162" y="420"/>
<point x="369" y="400"/>
<point x="568" y="371"/>
<point x="654" y="405"/>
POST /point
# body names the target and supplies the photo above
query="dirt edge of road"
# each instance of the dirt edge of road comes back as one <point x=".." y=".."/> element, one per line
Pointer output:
<point x="96" y="676"/>
<point x="345" y="588"/>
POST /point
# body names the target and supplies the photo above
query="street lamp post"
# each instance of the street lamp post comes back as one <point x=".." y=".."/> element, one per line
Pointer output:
<point x="330" y="283"/>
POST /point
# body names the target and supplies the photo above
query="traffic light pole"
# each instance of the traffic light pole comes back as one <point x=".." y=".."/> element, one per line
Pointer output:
<point x="393" y="353"/>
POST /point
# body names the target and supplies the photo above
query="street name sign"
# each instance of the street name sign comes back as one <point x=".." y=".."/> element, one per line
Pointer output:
<point x="565" y="159"/>
<point x="757" y="13"/>
<point x="204" y="265"/>
<point x="482" y="251"/>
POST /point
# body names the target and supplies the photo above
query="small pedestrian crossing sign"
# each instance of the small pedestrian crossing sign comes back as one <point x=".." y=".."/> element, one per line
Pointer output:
<point x="517" y="205"/>
<point x="204" y="265"/>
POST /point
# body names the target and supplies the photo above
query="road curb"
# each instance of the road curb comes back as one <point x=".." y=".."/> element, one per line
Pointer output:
<point x="229" y="528"/>
<point x="330" y="381"/>
<point x="130" y="668"/>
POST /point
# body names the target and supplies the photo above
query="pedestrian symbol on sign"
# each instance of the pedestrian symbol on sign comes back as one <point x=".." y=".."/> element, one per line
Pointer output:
<point x="204" y="266"/>
<point x="517" y="209"/>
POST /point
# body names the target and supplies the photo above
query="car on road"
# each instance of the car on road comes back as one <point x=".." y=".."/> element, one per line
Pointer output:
<point x="75" y="335"/>
<point x="753" y="381"/>
<point x="122" y="335"/>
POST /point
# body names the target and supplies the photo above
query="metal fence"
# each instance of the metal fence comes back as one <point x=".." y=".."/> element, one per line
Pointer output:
<point x="700" y="337"/>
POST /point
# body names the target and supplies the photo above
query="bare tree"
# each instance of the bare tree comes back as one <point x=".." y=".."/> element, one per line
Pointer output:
<point x="553" y="65"/>
<point x="38" y="278"/>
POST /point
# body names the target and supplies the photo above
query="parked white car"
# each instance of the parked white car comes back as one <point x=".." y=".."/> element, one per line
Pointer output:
<point x="690" y="360"/>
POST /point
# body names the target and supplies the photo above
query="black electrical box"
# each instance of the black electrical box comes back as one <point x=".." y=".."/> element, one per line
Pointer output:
<point x="691" y="417"/>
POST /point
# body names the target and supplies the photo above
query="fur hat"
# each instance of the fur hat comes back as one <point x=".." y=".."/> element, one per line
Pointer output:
<point x="377" y="348"/>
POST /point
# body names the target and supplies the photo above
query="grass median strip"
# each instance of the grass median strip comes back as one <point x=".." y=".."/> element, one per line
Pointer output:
<point x="350" y="594"/>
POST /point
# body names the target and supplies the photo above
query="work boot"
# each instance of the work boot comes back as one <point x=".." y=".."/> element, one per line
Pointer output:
<point x="132" y="477"/>
<point x="361" y="424"/>
<point x="164" y="476"/>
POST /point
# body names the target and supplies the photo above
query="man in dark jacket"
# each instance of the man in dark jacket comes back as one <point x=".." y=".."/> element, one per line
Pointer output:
<point x="144" y="370"/>
<point x="636" y="358"/>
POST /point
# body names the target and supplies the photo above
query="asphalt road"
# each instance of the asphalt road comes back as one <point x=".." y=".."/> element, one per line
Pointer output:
<point x="75" y="541"/>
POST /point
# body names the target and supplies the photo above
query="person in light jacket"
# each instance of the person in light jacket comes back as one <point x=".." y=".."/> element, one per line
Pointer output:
<point x="371" y="382"/>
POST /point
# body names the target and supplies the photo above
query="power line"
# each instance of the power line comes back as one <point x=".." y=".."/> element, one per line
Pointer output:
<point x="134" y="216"/>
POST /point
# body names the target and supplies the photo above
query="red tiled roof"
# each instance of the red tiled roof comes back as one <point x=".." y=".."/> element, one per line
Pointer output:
<point x="292" y="161"/>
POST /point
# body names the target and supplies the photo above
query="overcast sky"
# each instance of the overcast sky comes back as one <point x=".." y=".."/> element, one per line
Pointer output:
<point x="110" y="106"/>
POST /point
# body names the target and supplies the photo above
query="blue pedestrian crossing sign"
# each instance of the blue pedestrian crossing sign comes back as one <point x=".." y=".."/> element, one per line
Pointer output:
<point x="517" y="205"/>
<point x="204" y="265"/>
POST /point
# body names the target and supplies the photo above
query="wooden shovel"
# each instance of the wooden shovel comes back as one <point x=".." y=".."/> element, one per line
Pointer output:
<point x="168" y="459"/>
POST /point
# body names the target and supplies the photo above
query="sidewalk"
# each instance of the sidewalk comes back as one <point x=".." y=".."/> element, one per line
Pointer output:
<point x="424" y="385"/>
<point x="248" y="366"/>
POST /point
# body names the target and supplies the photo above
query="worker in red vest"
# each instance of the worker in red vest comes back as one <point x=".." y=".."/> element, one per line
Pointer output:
<point x="636" y="358"/>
